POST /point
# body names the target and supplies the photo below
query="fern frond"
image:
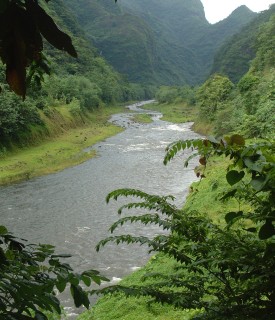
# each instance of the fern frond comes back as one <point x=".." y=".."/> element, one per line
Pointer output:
<point x="144" y="219"/>
<point x="159" y="242"/>
<point x="161" y="206"/>
<point x="181" y="145"/>
<point x="189" y="299"/>
<point x="126" y="193"/>
<point x="194" y="155"/>
<point x="123" y="239"/>
<point x="137" y="194"/>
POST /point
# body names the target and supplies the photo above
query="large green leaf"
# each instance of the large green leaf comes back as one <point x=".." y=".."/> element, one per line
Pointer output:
<point x="234" y="176"/>
<point x="253" y="165"/>
<point x="3" y="230"/>
<point x="231" y="216"/>
<point x="237" y="140"/>
<point x="50" y="31"/>
<point x="267" y="230"/>
<point x="258" y="183"/>
<point x="79" y="296"/>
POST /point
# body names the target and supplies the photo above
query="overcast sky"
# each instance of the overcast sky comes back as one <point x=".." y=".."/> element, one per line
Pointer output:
<point x="216" y="10"/>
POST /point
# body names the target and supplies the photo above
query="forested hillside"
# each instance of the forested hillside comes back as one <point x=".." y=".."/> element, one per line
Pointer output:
<point x="82" y="84"/>
<point x="246" y="106"/>
<point x="157" y="41"/>
<point x="234" y="57"/>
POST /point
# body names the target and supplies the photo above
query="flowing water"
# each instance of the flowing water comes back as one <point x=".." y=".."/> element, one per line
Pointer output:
<point x="68" y="208"/>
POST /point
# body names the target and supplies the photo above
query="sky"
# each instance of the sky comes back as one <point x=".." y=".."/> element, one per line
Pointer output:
<point x="216" y="10"/>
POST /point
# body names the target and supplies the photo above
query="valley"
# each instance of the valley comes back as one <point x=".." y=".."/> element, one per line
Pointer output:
<point x="145" y="109"/>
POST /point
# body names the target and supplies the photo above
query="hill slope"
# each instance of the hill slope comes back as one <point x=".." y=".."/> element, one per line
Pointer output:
<point x="163" y="42"/>
<point x="234" y="57"/>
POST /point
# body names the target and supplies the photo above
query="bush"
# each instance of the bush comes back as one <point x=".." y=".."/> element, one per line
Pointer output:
<point x="212" y="95"/>
<point x="226" y="270"/>
<point x="75" y="87"/>
<point x="167" y="94"/>
<point x="15" y="114"/>
<point x="30" y="277"/>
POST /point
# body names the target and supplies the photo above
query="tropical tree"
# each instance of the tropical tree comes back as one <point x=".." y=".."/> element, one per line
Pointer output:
<point x="30" y="277"/>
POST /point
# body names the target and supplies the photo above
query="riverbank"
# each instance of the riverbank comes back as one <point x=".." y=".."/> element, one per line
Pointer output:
<point x="60" y="145"/>
<point x="61" y="142"/>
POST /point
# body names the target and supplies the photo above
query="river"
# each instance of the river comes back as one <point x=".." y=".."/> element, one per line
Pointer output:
<point x="68" y="208"/>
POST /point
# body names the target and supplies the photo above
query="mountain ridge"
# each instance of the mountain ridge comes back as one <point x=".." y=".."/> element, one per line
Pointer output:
<point x="178" y="44"/>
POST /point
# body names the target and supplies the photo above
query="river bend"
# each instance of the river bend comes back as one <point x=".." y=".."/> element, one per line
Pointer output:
<point x="68" y="208"/>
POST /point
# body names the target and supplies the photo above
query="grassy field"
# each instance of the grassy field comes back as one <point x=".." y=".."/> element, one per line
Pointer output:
<point x="61" y="147"/>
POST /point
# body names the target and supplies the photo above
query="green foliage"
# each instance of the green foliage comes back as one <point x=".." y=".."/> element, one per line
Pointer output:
<point x="156" y="42"/>
<point x="167" y="94"/>
<point x="249" y="110"/>
<point x="226" y="270"/>
<point x="212" y="95"/>
<point x="32" y="274"/>
<point x="234" y="56"/>
<point x="16" y="115"/>
<point x="75" y="87"/>
<point x="265" y="44"/>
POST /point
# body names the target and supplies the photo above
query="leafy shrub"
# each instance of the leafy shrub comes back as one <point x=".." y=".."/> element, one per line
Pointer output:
<point x="30" y="276"/>
<point x="225" y="270"/>
<point x="212" y="95"/>
<point x="167" y="94"/>
<point x="248" y="82"/>
<point x="78" y="87"/>
<point x="15" y="114"/>
<point x="74" y="107"/>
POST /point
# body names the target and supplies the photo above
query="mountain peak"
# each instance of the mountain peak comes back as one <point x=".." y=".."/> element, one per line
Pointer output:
<point x="241" y="12"/>
<point x="243" y="8"/>
<point x="241" y="15"/>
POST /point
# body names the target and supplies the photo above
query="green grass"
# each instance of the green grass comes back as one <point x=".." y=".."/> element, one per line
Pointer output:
<point x="62" y="147"/>
<point x="117" y="307"/>
<point x="204" y="195"/>
<point x="175" y="112"/>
